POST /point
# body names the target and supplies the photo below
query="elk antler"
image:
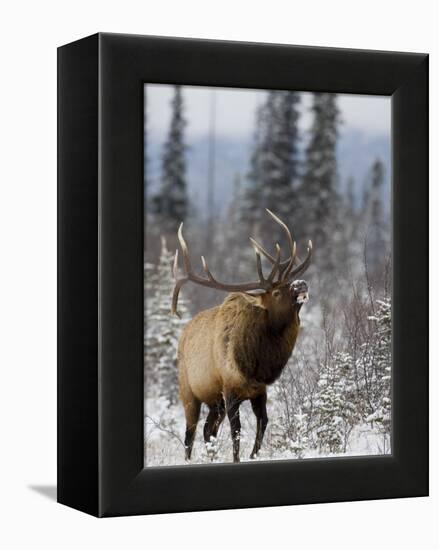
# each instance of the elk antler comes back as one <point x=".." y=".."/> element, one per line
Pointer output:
<point x="210" y="281"/>
<point x="286" y="266"/>
<point x="284" y="269"/>
<point x="304" y="265"/>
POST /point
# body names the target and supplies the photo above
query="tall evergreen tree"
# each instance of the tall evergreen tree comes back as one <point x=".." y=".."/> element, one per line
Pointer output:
<point x="274" y="163"/>
<point x="375" y="219"/>
<point x="376" y="364"/>
<point x="319" y="188"/>
<point x="249" y="194"/>
<point x="351" y="212"/>
<point x="279" y="162"/>
<point x="171" y="204"/>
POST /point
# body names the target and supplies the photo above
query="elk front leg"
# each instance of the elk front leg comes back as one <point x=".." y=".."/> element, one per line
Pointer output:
<point x="259" y="406"/>
<point x="232" y="407"/>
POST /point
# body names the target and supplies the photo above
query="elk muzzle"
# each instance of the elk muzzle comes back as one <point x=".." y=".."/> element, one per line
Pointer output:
<point x="300" y="291"/>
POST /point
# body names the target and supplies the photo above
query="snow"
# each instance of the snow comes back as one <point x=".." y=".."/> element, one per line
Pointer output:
<point x="164" y="434"/>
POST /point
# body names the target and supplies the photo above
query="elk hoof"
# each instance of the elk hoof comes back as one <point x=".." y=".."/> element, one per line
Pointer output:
<point x="212" y="447"/>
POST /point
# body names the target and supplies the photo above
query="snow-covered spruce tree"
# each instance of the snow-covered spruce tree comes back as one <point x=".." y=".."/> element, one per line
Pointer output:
<point x="300" y="442"/>
<point x="336" y="407"/>
<point x="171" y="204"/>
<point x="318" y="193"/>
<point x="250" y="191"/>
<point x="352" y="399"/>
<point x="274" y="164"/>
<point x="376" y="362"/>
<point x="279" y="154"/>
<point x="163" y="329"/>
<point x="328" y="408"/>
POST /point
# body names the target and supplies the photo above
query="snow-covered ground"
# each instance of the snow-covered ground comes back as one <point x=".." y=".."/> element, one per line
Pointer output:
<point x="164" y="435"/>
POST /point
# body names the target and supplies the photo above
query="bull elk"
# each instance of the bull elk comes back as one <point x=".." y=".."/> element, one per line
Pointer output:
<point x="231" y="352"/>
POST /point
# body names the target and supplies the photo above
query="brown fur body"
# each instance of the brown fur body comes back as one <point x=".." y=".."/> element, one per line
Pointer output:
<point x="231" y="353"/>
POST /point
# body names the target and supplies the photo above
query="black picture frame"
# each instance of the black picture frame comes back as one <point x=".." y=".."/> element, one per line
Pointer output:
<point x="100" y="274"/>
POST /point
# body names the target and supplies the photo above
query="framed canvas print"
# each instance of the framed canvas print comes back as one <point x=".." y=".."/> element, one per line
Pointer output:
<point x="242" y="275"/>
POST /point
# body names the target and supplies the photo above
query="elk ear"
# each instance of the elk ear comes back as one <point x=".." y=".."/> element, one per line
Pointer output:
<point x="255" y="299"/>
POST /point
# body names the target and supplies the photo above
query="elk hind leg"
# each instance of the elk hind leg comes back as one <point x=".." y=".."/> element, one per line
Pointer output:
<point x="259" y="406"/>
<point x="214" y="419"/>
<point x="192" y="412"/>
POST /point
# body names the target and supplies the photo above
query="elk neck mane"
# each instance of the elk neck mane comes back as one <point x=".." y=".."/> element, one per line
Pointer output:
<point x="260" y="345"/>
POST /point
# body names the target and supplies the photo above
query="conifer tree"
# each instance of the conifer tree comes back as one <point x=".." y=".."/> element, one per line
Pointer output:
<point x="163" y="329"/>
<point x="351" y="210"/>
<point x="352" y="399"/>
<point x="319" y="188"/>
<point x="376" y="361"/>
<point x="328" y="406"/>
<point x="299" y="444"/>
<point x="274" y="165"/>
<point x="279" y="156"/>
<point x="336" y="405"/>
<point x="171" y="204"/>
<point x="375" y="219"/>
<point x="250" y="200"/>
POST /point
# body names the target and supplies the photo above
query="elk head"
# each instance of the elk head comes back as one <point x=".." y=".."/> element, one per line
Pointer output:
<point x="279" y="293"/>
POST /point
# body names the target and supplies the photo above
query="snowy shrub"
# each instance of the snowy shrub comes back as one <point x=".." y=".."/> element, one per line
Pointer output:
<point x="299" y="444"/>
<point x="378" y="362"/>
<point x="336" y="405"/>
<point x="162" y="330"/>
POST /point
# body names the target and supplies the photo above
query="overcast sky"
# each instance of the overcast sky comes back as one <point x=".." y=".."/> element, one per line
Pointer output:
<point x="235" y="111"/>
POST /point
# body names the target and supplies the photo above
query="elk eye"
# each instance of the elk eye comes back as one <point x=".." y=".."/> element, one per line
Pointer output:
<point x="276" y="293"/>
